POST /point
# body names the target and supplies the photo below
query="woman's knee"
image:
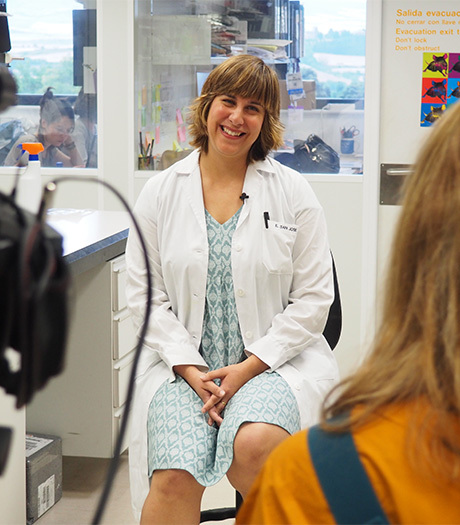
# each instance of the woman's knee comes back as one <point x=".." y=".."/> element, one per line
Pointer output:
<point x="172" y="483"/>
<point x="254" y="441"/>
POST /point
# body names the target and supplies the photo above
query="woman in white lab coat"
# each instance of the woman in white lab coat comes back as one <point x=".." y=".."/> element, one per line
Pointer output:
<point x="234" y="358"/>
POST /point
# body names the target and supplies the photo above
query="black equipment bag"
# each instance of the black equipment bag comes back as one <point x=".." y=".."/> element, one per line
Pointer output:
<point x="34" y="282"/>
<point x="311" y="156"/>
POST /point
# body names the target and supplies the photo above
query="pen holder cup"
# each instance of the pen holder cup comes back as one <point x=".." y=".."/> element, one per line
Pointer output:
<point x="347" y="146"/>
<point x="145" y="163"/>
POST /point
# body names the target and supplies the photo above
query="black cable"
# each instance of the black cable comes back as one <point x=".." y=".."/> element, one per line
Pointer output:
<point x="50" y="187"/>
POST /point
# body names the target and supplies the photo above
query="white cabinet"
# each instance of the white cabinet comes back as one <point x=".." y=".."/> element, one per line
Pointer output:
<point x="84" y="405"/>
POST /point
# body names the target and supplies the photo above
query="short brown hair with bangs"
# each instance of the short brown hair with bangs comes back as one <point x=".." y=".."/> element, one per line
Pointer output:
<point x="248" y="77"/>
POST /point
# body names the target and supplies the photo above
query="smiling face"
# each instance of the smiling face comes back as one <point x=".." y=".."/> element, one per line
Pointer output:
<point x="234" y="124"/>
<point x="241" y="77"/>
<point x="55" y="133"/>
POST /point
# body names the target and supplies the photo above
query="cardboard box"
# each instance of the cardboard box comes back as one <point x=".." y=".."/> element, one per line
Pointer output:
<point x="308" y="102"/>
<point x="43" y="474"/>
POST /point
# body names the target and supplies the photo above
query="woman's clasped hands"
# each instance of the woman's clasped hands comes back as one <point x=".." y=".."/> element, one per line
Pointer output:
<point x="231" y="379"/>
<point x="230" y="382"/>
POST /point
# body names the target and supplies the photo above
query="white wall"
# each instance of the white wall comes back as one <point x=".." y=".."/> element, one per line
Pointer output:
<point x="13" y="480"/>
<point x="342" y="203"/>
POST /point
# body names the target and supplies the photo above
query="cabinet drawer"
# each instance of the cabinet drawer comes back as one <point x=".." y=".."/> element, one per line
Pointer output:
<point x="118" y="415"/>
<point x="124" y="334"/>
<point x="119" y="278"/>
<point x="121" y="374"/>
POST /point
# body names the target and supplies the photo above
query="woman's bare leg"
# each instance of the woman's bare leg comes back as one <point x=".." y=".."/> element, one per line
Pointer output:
<point x="174" y="498"/>
<point x="253" y="443"/>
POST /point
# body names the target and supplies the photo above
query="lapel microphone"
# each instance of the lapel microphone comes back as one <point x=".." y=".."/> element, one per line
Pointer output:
<point x="244" y="196"/>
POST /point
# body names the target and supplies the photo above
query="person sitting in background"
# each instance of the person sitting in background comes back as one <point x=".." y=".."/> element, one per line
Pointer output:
<point x="85" y="133"/>
<point x="402" y="406"/>
<point x="56" y="124"/>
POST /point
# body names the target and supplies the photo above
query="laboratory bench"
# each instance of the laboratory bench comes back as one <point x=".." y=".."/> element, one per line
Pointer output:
<point x="90" y="237"/>
<point x="85" y="403"/>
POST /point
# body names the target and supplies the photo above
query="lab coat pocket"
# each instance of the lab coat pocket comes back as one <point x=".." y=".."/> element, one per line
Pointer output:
<point x="277" y="246"/>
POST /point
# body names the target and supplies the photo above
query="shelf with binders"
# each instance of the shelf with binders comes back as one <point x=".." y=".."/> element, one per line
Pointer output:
<point x="176" y="51"/>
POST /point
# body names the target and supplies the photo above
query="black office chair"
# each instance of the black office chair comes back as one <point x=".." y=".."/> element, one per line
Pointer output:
<point x="333" y="328"/>
<point x="223" y="513"/>
<point x="332" y="332"/>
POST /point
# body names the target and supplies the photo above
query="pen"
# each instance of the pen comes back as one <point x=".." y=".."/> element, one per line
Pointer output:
<point x="266" y="218"/>
<point x="140" y="143"/>
<point x="151" y="151"/>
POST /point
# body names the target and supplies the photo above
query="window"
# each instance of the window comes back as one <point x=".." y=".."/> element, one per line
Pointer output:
<point x="332" y="68"/>
<point x="321" y="43"/>
<point x="334" y="53"/>
<point x="53" y="45"/>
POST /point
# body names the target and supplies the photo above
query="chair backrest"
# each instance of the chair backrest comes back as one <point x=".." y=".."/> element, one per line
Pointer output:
<point x="333" y="327"/>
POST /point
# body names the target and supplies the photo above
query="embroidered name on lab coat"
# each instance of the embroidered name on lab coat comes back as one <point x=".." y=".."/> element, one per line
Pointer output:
<point x="285" y="227"/>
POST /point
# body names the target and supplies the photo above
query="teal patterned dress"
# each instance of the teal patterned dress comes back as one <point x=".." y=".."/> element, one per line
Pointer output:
<point x="179" y="436"/>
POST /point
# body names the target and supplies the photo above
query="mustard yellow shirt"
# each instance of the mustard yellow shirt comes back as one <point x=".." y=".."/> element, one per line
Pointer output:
<point x="287" y="490"/>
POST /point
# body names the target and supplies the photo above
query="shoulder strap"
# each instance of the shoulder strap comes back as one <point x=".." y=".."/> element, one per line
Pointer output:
<point x="343" y="478"/>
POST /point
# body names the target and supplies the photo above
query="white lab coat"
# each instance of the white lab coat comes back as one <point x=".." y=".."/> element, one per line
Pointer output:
<point x="282" y="280"/>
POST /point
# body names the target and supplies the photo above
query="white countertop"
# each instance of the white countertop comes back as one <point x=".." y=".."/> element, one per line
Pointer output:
<point x="90" y="234"/>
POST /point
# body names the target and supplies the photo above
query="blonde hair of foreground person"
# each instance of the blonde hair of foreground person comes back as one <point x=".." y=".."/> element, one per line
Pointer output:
<point x="416" y="353"/>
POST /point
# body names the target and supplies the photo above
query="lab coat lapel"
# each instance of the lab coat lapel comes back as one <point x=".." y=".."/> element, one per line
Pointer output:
<point x="252" y="187"/>
<point x="194" y="193"/>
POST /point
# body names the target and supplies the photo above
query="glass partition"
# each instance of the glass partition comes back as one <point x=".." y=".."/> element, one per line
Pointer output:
<point x="53" y="60"/>
<point x="319" y="59"/>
